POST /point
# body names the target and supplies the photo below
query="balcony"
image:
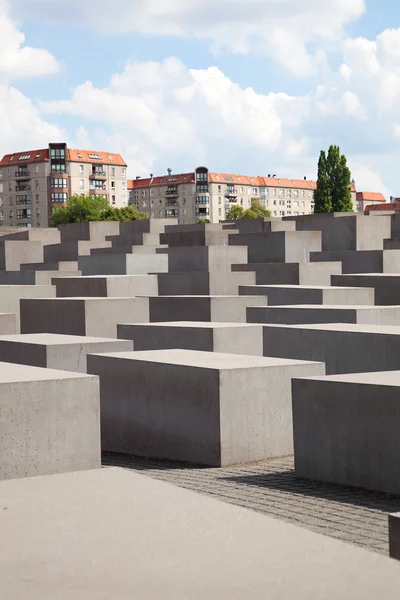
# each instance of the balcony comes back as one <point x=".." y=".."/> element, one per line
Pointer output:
<point x="23" y="202"/>
<point x="22" y="174"/>
<point x="202" y="188"/>
<point x="172" y="192"/>
<point x="171" y="203"/>
<point x="98" y="175"/>
<point x="23" y="188"/>
<point x="230" y="193"/>
<point x="203" y="212"/>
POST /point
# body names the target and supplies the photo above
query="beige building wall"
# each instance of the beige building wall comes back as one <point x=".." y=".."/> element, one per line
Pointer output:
<point x="111" y="181"/>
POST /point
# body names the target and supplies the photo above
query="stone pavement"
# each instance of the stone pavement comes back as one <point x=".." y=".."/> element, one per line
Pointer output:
<point x="352" y="515"/>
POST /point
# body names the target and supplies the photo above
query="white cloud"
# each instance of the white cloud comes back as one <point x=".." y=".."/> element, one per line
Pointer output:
<point x="282" y="29"/>
<point x="368" y="179"/>
<point x="17" y="60"/>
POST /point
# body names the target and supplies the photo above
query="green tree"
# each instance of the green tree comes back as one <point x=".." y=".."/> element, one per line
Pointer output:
<point x="258" y="210"/>
<point x="333" y="193"/>
<point x="79" y="209"/>
<point x="235" y="213"/>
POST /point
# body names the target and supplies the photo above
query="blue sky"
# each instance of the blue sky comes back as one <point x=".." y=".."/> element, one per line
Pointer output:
<point x="261" y="87"/>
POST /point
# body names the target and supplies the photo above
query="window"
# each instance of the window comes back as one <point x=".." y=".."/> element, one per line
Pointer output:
<point x="58" y="168"/>
<point x="219" y="200"/>
<point x="303" y="203"/>
<point x="302" y="193"/>
<point x="123" y="172"/>
<point x="296" y="203"/>
<point x="10" y="199"/>
<point x="124" y="186"/>
<point x="202" y="200"/>
<point x="296" y="193"/>
<point x="113" y="199"/>
<point x="296" y="214"/>
<point x="37" y="184"/>
<point x="82" y="184"/>
<point x="220" y="188"/>
<point x="289" y="193"/>
<point x="37" y="198"/>
<point x="201" y="176"/>
<point x="282" y="202"/>
<point x="281" y="192"/>
<point x="58" y="153"/>
<point x="59" y="197"/>
<point x="81" y="169"/>
<point x="1" y="188"/>
<point x="11" y="214"/>
<point x="274" y="191"/>
<point x="172" y="212"/>
<point x="282" y="213"/>
<point x="1" y="215"/>
<point x="113" y="187"/>
<point x="24" y="213"/>
<point x="23" y="199"/>
<point x="254" y="191"/>
<point x="1" y="173"/>
<point x="310" y="194"/>
<point x="9" y="171"/>
<point x="112" y="171"/>
<point x="58" y="183"/>
<point x="219" y="212"/>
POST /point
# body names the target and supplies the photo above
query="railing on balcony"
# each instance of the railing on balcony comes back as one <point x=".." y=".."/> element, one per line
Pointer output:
<point x="23" y="188"/>
<point x="202" y="188"/>
<point x="22" y="174"/>
<point x="23" y="202"/>
<point x="98" y="175"/>
<point x="172" y="192"/>
<point x="171" y="203"/>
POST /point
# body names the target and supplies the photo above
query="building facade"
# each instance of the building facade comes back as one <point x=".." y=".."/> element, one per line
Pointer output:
<point x="365" y="199"/>
<point x="32" y="183"/>
<point x="210" y="196"/>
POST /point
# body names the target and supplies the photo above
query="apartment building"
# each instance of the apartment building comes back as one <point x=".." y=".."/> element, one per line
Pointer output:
<point x="365" y="199"/>
<point x="33" y="182"/>
<point x="209" y="195"/>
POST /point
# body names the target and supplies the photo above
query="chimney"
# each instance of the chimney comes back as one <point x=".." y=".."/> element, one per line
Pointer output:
<point x="169" y="171"/>
<point x="305" y="178"/>
<point x="151" y="175"/>
<point x="138" y="177"/>
<point x="269" y="174"/>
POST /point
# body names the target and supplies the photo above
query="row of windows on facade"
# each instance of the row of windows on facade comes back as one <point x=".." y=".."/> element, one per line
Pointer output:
<point x="62" y="169"/>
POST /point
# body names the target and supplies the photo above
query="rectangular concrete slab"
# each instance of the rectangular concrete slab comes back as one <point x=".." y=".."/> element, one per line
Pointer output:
<point x="200" y="407"/>
<point x="49" y="421"/>
<point x="394" y="535"/>
<point x="386" y="285"/>
<point x="302" y="294"/>
<point x="55" y="351"/>
<point x="107" y="286"/>
<point x="344" y="348"/>
<point x="208" y="337"/>
<point x="8" y="324"/>
<point x="281" y="246"/>
<point x="11" y="295"/>
<point x="225" y="309"/>
<point x="309" y="314"/>
<point x="214" y="283"/>
<point x="346" y="430"/>
<point x="197" y="546"/>
<point x="292" y="273"/>
<point x="97" y="317"/>
<point x="123" y="264"/>
<point x="205" y="258"/>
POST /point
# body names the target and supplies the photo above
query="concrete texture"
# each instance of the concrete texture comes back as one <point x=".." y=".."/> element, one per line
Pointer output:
<point x="353" y="261"/>
<point x="107" y="286"/>
<point x="200" y="407"/>
<point x="197" y="547"/>
<point x="346" y="430"/>
<point x="54" y="351"/>
<point x="14" y="253"/>
<point x="283" y="246"/>
<point x="11" y="295"/>
<point x="215" y="283"/>
<point x="394" y="535"/>
<point x="205" y="258"/>
<point x="49" y="422"/>
<point x="134" y="239"/>
<point x="123" y="264"/>
<point x="94" y="231"/>
<point x="386" y="285"/>
<point x="71" y="250"/>
<point x="96" y="317"/>
<point x="8" y="324"/>
<point x="220" y="309"/>
<point x="344" y="348"/>
<point x="209" y="337"/>
<point x="295" y="294"/>
<point x="346" y="231"/>
<point x="304" y="314"/>
<point x="130" y="250"/>
<point x="62" y="265"/>
<point x="33" y="277"/>
<point x="198" y="235"/>
<point x="44" y="235"/>
<point x="292" y="273"/>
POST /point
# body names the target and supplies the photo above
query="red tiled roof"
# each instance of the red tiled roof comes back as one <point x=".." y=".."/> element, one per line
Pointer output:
<point x="370" y="197"/>
<point x="380" y="207"/>
<point x="24" y="158"/>
<point x="164" y="180"/>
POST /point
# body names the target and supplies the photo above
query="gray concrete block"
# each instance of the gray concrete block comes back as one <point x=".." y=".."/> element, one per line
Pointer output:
<point x="309" y="314"/>
<point x="353" y="261"/>
<point x="386" y="285"/>
<point x="15" y="253"/>
<point x="295" y="294"/>
<point x="11" y="295"/>
<point x="201" y="407"/>
<point x="123" y="264"/>
<point x="146" y="226"/>
<point x="205" y="258"/>
<point x="230" y="338"/>
<point x="343" y="347"/>
<point x="391" y="261"/>
<point x="96" y="317"/>
<point x="134" y="239"/>
<point x="33" y="277"/>
<point x="198" y="546"/>
<point x="130" y="250"/>
<point x="95" y="231"/>
<point x="8" y="324"/>
<point x="220" y="309"/>
<point x="99" y="286"/>
<point x="197" y="237"/>
<point x="346" y="430"/>
<point x="53" y="351"/>
<point x="346" y="231"/>
<point x="71" y="250"/>
<point x="44" y="235"/>
<point x="394" y="535"/>
<point x="282" y="246"/>
<point x="215" y="283"/>
<point x="292" y="273"/>
<point x="49" y="421"/>
<point x="62" y="265"/>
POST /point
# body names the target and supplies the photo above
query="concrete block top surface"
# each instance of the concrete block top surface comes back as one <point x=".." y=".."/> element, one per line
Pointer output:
<point x="385" y="378"/>
<point x="53" y="339"/>
<point x="328" y="307"/>
<point x="15" y="373"/>
<point x="300" y="287"/>
<point x="204" y="360"/>
<point x="113" y="533"/>
<point x="189" y="325"/>
<point x="345" y="327"/>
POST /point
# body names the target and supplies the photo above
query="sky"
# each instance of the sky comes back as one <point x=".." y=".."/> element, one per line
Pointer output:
<point x="241" y="86"/>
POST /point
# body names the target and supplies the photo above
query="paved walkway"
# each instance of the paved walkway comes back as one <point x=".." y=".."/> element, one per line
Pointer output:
<point x="355" y="516"/>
